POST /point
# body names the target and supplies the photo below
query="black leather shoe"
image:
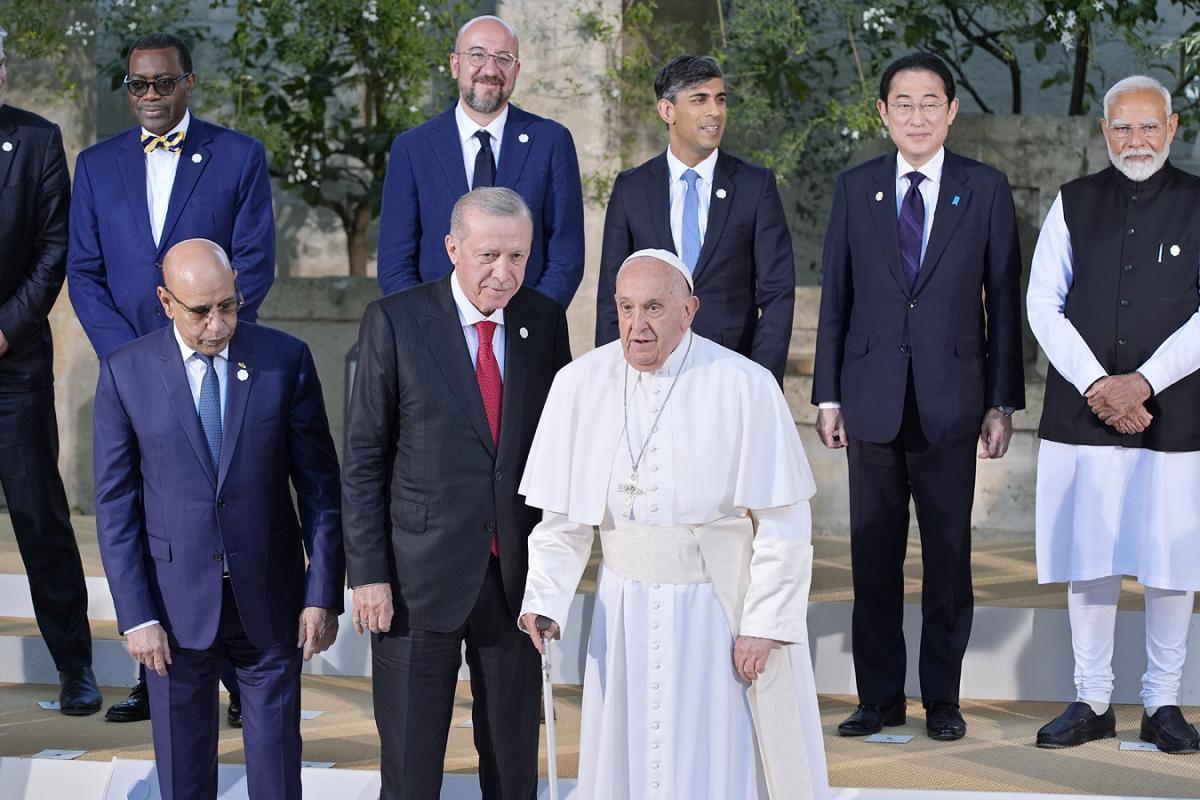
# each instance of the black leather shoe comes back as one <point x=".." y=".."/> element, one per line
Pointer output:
<point x="234" y="715"/>
<point x="1170" y="732"/>
<point x="869" y="718"/>
<point x="135" y="708"/>
<point x="944" y="721"/>
<point x="1076" y="725"/>
<point x="78" y="694"/>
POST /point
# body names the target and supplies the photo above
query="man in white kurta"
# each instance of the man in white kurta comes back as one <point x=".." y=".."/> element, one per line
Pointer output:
<point x="698" y="681"/>
<point x="1113" y="303"/>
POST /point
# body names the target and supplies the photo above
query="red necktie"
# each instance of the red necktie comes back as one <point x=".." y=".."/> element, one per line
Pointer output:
<point x="487" y="372"/>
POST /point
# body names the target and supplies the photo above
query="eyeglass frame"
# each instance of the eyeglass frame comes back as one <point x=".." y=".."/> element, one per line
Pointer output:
<point x="486" y="55"/>
<point x="204" y="313"/>
<point x="927" y="109"/>
<point x="128" y="82"/>
<point x="1124" y="130"/>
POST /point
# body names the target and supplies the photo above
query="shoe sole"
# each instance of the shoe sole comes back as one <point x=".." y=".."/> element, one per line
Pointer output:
<point x="892" y="723"/>
<point x="1187" y="751"/>
<point x="1052" y="745"/>
<point x="79" y="712"/>
<point x="945" y="737"/>
<point x="108" y="718"/>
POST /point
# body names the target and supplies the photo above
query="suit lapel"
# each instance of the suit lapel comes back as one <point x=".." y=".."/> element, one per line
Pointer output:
<point x="187" y="174"/>
<point x="658" y="201"/>
<point x="954" y="197"/>
<point x="132" y="167"/>
<point x="882" y="202"/>
<point x="513" y="151"/>
<point x="237" y="393"/>
<point x="10" y="145"/>
<point x="179" y="393"/>
<point x="443" y="335"/>
<point x="718" y="209"/>
<point x="516" y="370"/>
<point x="447" y="148"/>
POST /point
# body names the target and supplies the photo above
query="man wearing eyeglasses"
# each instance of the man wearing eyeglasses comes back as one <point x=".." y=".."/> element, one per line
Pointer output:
<point x="171" y="178"/>
<point x="203" y="430"/>
<point x="1113" y="302"/>
<point x="34" y="194"/>
<point x="918" y="364"/>
<point x="483" y="140"/>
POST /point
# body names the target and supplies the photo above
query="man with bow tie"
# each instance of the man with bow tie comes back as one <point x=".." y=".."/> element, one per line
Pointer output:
<point x="171" y="178"/>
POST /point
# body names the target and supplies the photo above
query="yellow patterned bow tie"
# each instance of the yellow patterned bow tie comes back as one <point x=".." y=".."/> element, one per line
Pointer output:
<point x="172" y="143"/>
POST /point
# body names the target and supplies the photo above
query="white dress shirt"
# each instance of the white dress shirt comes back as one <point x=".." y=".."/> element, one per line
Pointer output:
<point x="704" y="186"/>
<point x="160" y="177"/>
<point x="468" y="315"/>
<point x="194" y="368"/>
<point x="467" y="128"/>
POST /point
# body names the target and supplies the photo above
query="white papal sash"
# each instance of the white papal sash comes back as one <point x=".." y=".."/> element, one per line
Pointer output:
<point x="719" y="553"/>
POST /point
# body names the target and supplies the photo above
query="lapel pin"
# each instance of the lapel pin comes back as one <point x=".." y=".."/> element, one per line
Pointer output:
<point x="878" y="196"/>
<point x="197" y="158"/>
<point x="954" y="202"/>
<point x="721" y="194"/>
<point x="7" y="146"/>
<point x="524" y="332"/>
<point x="523" y="138"/>
<point x="243" y="375"/>
<point x="1174" y="249"/>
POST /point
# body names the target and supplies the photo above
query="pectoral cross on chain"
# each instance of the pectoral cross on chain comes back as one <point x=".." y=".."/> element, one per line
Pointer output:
<point x="631" y="490"/>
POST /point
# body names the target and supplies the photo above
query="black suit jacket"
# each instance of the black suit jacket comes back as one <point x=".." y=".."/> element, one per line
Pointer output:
<point x="423" y="485"/>
<point x="959" y="327"/>
<point x="35" y="196"/>
<point x="745" y="277"/>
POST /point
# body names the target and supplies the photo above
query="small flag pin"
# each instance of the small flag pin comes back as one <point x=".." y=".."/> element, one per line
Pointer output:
<point x="954" y="202"/>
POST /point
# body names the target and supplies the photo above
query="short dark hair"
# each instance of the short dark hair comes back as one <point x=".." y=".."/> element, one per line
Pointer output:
<point x="683" y="72"/>
<point x="162" y="41"/>
<point x="926" y="61"/>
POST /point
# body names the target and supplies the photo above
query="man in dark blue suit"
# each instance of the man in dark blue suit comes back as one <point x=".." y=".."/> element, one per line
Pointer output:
<point x="483" y="140"/>
<point x="175" y="177"/>
<point x="720" y="214"/>
<point x="918" y="359"/>
<point x="202" y="430"/>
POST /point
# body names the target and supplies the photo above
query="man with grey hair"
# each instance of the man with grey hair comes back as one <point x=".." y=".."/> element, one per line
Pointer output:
<point x="451" y="379"/>
<point x="482" y="140"/>
<point x="35" y="190"/>
<point x="1113" y="302"/>
<point x="698" y="682"/>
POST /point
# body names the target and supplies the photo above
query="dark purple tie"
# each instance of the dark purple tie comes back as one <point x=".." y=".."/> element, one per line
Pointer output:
<point x="912" y="227"/>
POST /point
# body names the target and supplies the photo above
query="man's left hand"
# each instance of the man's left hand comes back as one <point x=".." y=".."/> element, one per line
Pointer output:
<point x="995" y="434"/>
<point x="750" y="655"/>
<point x="1118" y="395"/>
<point x="318" y="629"/>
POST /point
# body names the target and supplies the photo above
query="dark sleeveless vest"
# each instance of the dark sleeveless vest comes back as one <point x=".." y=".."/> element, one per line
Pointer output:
<point x="1135" y="255"/>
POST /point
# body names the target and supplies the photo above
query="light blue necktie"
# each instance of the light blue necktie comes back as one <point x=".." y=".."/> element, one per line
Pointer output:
<point x="691" y="220"/>
<point x="210" y="409"/>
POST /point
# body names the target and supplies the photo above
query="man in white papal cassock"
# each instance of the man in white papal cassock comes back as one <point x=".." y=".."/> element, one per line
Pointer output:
<point x="698" y="680"/>
<point x="1113" y="302"/>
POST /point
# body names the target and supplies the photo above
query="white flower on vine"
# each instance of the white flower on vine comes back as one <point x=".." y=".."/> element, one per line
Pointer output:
<point x="1068" y="41"/>
<point x="854" y="135"/>
<point x="441" y="67"/>
<point x="412" y="109"/>
<point x="370" y="12"/>
<point x="1052" y="22"/>
<point x="1099" y="5"/>
<point x="132" y="26"/>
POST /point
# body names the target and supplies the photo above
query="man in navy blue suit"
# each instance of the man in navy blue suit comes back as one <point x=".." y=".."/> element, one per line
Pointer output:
<point x="720" y="214"/>
<point x="918" y="362"/>
<point x="171" y="178"/>
<point x="483" y="140"/>
<point x="202" y="431"/>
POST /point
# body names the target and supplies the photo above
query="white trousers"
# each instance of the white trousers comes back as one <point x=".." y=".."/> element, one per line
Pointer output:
<point x="1092" y="607"/>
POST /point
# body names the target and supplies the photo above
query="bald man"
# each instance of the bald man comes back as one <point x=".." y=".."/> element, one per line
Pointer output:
<point x="202" y="430"/>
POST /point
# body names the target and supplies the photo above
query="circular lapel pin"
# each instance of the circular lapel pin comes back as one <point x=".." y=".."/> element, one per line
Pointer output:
<point x="243" y="375"/>
<point x="197" y="158"/>
<point x="721" y="194"/>
<point x="878" y="196"/>
<point x="7" y="147"/>
<point x="523" y="138"/>
<point x="524" y="332"/>
<point x="1174" y="249"/>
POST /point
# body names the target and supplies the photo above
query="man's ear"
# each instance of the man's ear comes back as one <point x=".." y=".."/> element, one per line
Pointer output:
<point x="165" y="300"/>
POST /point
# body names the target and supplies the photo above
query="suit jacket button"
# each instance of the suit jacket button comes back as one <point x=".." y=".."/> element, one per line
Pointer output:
<point x="912" y="303"/>
<point x="220" y="502"/>
<point x="497" y="476"/>
<point x="903" y="348"/>
<point x="1121" y="342"/>
<point x="491" y="526"/>
<point x="218" y="556"/>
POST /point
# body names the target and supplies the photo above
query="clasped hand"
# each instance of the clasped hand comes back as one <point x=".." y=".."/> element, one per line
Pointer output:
<point x="1119" y="401"/>
<point x="750" y="654"/>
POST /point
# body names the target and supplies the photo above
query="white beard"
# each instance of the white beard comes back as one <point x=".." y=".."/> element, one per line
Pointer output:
<point x="1139" y="170"/>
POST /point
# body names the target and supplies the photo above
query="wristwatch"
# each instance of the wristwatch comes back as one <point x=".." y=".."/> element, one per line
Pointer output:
<point x="1005" y="410"/>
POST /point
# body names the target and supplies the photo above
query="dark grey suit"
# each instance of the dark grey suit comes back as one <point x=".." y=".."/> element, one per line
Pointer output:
<point x="424" y="488"/>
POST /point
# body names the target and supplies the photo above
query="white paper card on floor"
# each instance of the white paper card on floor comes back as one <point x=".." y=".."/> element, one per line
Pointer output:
<point x="317" y="764"/>
<point x="1148" y="746"/>
<point x="59" y="755"/>
<point x="889" y="738"/>
<point x="466" y="723"/>
<point x="49" y="705"/>
<point x="310" y="714"/>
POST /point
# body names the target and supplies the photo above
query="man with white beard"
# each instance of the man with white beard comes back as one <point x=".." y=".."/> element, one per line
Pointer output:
<point x="1113" y="303"/>
<point x="698" y="682"/>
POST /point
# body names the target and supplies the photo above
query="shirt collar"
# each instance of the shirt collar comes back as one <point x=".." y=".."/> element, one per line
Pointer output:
<point x="182" y="126"/>
<point x="932" y="169"/>
<point x="705" y="168"/>
<point x="468" y="314"/>
<point x="188" y="352"/>
<point x="468" y="127"/>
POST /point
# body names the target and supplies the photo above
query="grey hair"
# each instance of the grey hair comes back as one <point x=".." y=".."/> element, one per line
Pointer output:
<point x="1136" y="83"/>
<point x="495" y="201"/>
<point x="493" y="18"/>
